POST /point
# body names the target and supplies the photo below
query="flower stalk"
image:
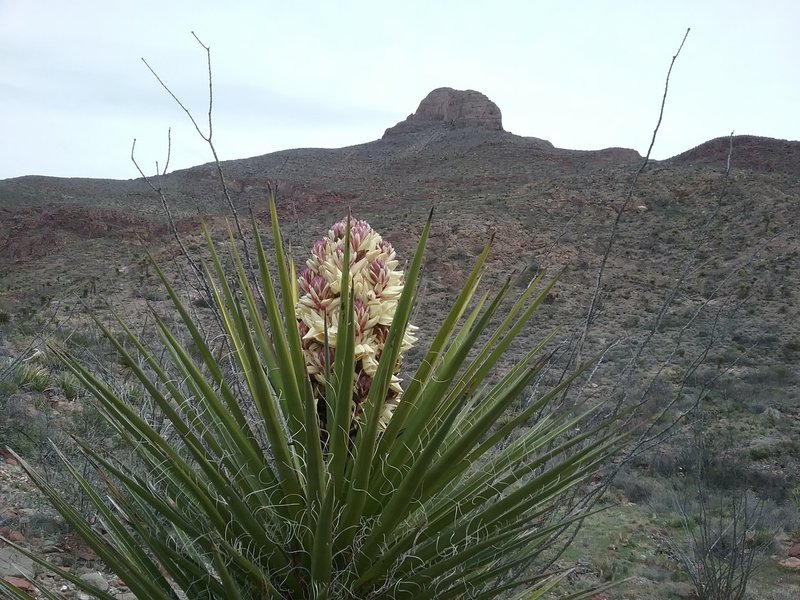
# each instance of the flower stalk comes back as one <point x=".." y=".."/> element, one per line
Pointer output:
<point x="376" y="284"/>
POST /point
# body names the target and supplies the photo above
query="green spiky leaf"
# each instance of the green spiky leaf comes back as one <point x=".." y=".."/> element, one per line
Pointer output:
<point x="278" y="483"/>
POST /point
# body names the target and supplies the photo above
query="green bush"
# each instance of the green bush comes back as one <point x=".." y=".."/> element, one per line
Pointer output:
<point x="33" y="376"/>
<point x="635" y="488"/>
<point x="69" y="385"/>
<point x="295" y="473"/>
<point x="8" y="386"/>
<point x="722" y="550"/>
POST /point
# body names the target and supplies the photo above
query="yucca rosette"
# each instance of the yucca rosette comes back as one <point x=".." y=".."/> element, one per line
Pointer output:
<point x="273" y="489"/>
<point x="376" y="284"/>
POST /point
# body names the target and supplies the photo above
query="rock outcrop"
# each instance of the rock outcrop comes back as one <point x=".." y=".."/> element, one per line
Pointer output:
<point x="455" y="109"/>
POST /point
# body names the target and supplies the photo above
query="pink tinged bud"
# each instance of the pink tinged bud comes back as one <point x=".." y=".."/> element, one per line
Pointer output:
<point x="361" y="310"/>
<point x="338" y="230"/>
<point x="386" y="248"/>
<point x="337" y="256"/>
<point x="313" y="365"/>
<point x="304" y="281"/>
<point x="321" y="357"/>
<point x="381" y="333"/>
<point x="378" y="276"/>
<point x="320" y="250"/>
<point x="358" y="238"/>
<point x="319" y="291"/>
<point x="337" y="253"/>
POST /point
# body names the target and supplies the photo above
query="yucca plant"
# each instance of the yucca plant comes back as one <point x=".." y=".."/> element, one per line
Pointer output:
<point x="33" y="376"/>
<point x="299" y="466"/>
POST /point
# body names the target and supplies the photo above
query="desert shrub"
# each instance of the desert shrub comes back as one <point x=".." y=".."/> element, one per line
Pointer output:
<point x="33" y="376"/>
<point x="635" y="488"/>
<point x="8" y="385"/>
<point x="631" y="321"/>
<point x="668" y="462"/>
<point x="762" y="452"/>
<point x="784" y="374"/>
<point x="24" y="429"/>
<point x="724" y="525"/>
<point x="783" y="517"/>
<point x="69" y="385"/>
<point x="791" y="350"/>
<point x="796" y="497"/>
<point x="769" y="485"/>
<point x="722" y="550"/>
<point x="299" y="467"/>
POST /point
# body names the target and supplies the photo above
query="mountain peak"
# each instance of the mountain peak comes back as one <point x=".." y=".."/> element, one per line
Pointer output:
<point x="455" y="109"/>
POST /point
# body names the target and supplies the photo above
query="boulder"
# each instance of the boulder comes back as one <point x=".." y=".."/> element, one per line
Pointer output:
<point x="792" y="563"/>
<point x="96" y="579"/>
<point x="14" y="563"/>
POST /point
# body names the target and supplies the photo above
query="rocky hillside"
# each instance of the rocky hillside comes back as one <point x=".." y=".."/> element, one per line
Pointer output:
<point x="764" y="155"/>
<point x="688" y="234"/>
<point x="699" y="282"/>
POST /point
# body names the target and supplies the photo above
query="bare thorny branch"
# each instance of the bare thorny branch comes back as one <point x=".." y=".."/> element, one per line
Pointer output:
<point x="158" y="190"/>
<point x="203" y="286"/>
<point x="209" y="141"/>
<point x="647" y="437"/>
<point x="575" y="356"/>
<point x="592" y="312"/>
<point x="576" y="352"/>
<point x="651" y="435"/>
<point x="583" y="504"/>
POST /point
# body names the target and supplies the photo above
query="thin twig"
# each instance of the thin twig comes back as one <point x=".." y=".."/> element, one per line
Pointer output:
<point x="209" y="141"/>
<point x="590" y="315"/>
<point x="169" y="150"/>
<point x="173" y="227"/>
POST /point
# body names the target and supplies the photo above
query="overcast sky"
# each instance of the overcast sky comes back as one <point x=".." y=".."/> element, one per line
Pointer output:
<point x="288" y="74"/>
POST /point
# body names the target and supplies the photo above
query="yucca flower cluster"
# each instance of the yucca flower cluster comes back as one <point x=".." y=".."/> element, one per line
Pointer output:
<point x="376" y="283"/>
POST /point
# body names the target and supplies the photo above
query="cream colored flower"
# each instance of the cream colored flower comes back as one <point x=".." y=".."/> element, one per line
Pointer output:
<point x="377" y="284"/>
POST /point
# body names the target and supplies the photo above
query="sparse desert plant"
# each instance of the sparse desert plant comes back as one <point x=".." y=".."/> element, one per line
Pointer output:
<point x="635" y="488"/>
<point x="7" y="387"/>
<point x="33" y="376"/>
<point x="722" y="549"/>
<point x="69" y="385"/>
<point x="290" y="478"/>
<point x="725" y="535"/>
